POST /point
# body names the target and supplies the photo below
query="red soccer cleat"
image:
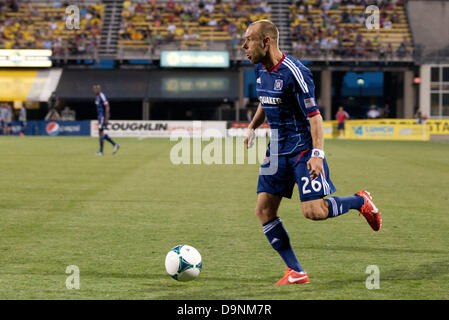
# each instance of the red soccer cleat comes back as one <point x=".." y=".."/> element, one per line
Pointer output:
<point x="293" y="277"/>
<point x="370" y="211"/>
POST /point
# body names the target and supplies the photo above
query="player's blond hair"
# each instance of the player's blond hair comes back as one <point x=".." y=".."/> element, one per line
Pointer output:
<point x="267" y="29"/>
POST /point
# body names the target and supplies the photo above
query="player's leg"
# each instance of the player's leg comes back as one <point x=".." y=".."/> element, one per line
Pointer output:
<point x="108" y="139"/>
<point x="271" y="189"/>
<point x="277" y="235"/>
<point x="101" y="134"/>
<point x="321" y="209"/>
<point x="116" y="145"/>
<point x="101" y="139"/>
<point x="332" y="207"/>
<point x="315" y="207"/>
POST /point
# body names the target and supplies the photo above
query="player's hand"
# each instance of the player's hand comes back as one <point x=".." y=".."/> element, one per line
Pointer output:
<point x="315" y="167"/>
<point x="249" y="138"/>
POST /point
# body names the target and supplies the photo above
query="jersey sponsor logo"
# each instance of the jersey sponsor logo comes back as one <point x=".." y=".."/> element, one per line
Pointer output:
<point x="309" y="102"/>
<point x="52" y="129"/>
<point x="270" y="100"/>
<point x="278" y="84"/>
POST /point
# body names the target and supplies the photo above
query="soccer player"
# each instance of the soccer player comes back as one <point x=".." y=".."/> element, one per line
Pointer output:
<point x="103" y="117"/>
<point x="341" y="116"/>
<point x="23" y="120"/>
<point x="286" y="93"/>
<point x="2" y="122"/>
<point x="7" y="124"/>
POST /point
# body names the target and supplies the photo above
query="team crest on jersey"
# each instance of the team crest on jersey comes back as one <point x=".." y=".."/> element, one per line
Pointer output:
<point x="258" y="81"/>
<point x="310" y="102"/>
<point x="278" y="84"/>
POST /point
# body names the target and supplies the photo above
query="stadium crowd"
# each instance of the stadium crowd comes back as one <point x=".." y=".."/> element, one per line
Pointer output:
<point x="29" y="25"/>
<point x="329" y="28"/>
<point x="337" y="28"/>
<point x="157" y="23"/>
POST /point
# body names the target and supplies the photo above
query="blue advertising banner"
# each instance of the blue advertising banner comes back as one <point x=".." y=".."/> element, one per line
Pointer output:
<point x="195" y="59"/>
<point x="52" y="128"/>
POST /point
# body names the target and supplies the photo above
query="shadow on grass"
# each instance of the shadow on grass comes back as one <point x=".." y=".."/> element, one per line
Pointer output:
<point x="376" y="249"/>
<point x="427" y="271"/>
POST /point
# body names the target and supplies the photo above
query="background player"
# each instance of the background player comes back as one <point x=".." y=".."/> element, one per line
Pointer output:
<point x="103" y="118"/>
<point x="2" y="122"/>
<point x="23" y="120"/>
<point x="341" y="117"/>
<point x="286" y="91"/>
<point x="7" y="120"/>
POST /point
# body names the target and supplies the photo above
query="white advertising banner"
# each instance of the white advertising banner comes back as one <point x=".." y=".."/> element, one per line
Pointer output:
<point x="25" y="58"/>
<point x="161" y="129"/>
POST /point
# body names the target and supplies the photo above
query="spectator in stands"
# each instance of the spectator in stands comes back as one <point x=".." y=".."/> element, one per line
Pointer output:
<point x="420" y="118"/>
<point x="373" y="113"/>
<point x="68" y="114"/>
<point x="389" y="54"/>
<point x="249" y="115"/>
<point x="381" y="51"/>
<point x="52" y="115"/>
<point x="387" y="111"/>
<point x="401" y="51"/>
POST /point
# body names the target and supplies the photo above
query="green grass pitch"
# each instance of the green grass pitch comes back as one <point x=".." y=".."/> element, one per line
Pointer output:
<point x="116" y="217"/>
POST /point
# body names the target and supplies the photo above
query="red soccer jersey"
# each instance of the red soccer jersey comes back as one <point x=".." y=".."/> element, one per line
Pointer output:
<point x="342" y="116"/>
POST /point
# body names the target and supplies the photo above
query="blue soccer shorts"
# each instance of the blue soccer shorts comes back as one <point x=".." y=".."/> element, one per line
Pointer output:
<point x="292" y="169"/>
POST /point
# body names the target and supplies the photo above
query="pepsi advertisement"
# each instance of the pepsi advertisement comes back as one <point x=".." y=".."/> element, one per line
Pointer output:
<point x="53" y="128"/>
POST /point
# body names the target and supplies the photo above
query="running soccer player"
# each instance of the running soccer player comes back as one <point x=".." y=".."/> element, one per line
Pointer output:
<point x="103" y="117"/>
<point x="286" y="93"/>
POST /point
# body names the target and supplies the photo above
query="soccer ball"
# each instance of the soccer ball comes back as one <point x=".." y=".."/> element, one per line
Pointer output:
<point x="183" y="263"/>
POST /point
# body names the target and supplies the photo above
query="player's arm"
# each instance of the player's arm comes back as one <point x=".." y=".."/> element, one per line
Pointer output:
<point x="315" y="164"/>
<point x="106" y="112"/>
<point x="258" y="119"/>
<point x="106" y="108"/>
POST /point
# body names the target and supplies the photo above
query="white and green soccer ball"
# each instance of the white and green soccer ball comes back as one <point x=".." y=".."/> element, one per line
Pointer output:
<point x="183" y="263"/>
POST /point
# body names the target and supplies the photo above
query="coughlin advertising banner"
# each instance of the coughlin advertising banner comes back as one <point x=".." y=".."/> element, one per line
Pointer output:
<point x="162" y="129"/>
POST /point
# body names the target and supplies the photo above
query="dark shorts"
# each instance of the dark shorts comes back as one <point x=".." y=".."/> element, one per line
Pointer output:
<point x="292" y="169"/>
<point x="341" y="126"/>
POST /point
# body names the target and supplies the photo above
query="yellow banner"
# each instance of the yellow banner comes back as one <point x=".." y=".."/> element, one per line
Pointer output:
<point x="394" y="129"/>
<point x="439" y="127"/>
<point x="433" y="126"/>
<point x="15" y="85"/>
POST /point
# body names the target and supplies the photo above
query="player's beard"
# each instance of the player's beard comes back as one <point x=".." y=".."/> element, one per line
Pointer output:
<point x="259" y="56"/>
